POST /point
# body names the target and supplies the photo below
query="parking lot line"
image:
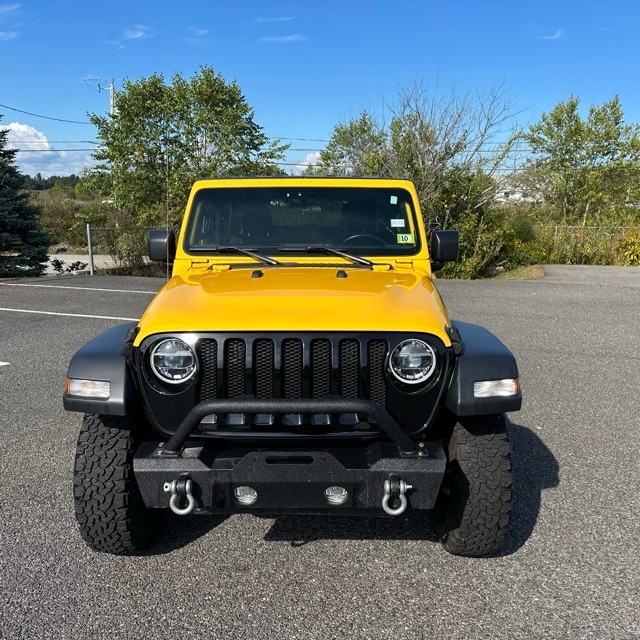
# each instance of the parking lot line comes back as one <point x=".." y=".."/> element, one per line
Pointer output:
<point x="55" y="286"/>
<point x="69" y="315"/>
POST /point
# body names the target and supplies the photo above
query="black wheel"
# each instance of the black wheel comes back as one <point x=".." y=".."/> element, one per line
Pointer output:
<point x="474" y="505"/>
<point x="108" y="505"/>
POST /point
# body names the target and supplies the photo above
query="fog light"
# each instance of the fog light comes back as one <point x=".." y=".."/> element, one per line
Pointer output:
<point x="245" y="495"/>
<point x="496" y="388"/>
<point x="336" y="495"/>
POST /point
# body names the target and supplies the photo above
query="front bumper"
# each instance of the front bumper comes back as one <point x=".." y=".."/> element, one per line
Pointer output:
<point x="291" y="481"/>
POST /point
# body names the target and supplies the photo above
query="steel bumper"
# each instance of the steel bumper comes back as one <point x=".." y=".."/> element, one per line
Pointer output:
<point x="292" y="480"/>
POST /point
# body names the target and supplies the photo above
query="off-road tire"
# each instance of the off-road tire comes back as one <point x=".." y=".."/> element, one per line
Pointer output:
<point x="474" y="506"/>
<point x="108" y="505"/>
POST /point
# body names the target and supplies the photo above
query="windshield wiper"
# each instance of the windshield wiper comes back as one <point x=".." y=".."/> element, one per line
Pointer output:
<point x="240" y="251"/>
<point x="363" y="262"/>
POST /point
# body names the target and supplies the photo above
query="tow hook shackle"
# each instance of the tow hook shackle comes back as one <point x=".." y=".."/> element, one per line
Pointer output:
<point x="395" y="491"/>
<point x="180" y="490"/>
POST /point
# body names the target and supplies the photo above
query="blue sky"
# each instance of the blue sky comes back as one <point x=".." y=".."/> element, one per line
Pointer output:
<point x="304" y="66"/>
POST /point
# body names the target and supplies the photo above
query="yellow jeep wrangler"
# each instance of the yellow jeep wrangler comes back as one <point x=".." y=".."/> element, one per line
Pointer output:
<point x="299" y="360"/>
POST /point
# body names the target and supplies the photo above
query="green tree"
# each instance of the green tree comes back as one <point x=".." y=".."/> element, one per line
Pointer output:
<point x="162" y="137"/>
<point x="23" y="246"/>
<point x="357" y="147"/>
<point x="450" y="146"/>
<point x="588" y="169"/>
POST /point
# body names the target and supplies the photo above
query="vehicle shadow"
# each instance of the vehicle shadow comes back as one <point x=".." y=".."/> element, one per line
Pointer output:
<point x="534" y="468"/>
<point x="176" y="532"/>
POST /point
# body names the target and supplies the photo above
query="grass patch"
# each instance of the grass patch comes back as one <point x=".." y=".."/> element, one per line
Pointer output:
<point x="530" y="272"/>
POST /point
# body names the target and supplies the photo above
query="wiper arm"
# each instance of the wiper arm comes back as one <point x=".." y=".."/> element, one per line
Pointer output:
<point x="244" y="252"/>
<point x="334" y="252"/>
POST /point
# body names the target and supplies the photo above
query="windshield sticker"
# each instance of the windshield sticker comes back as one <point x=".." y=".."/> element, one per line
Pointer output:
<point x="405" y="238"/>
<point x="397" y="222"/>
<point x="393" y="200"/>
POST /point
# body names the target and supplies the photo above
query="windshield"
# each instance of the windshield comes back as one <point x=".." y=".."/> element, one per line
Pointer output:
<point x="371" y="221"/>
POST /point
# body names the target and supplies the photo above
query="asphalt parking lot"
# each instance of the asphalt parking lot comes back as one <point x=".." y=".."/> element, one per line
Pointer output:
<point x="571" y="568"/>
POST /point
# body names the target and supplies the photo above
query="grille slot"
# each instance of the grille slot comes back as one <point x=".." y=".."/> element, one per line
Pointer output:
<point x="263" y="368"/>
<point x="320" y="368"/>
<point x="292" y="368"/>
<point x="235" y="362"/>
<point x="208" y="379"/>
<point x="349" y="368"/>
<point x="377" y="355"/>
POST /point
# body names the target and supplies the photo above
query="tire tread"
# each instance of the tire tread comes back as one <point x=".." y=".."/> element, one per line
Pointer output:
<point x="480" y="485"/>
<point x="108" y="505"/>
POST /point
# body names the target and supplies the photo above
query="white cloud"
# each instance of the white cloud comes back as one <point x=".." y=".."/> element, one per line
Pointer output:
<point x="310" y="159"/>
<point x="556" y="36"/>
<point x="37" y="155"/>
<point x="5" y="15"/>
<point x="22" y="136"/>
<point x="292" y="38"/>
<point x="138" y="32"/>
<point x="263" y="19"/>
<point x="197" y="36"/>
<point x="9" y="8"/>
<point x="198" y="33"/>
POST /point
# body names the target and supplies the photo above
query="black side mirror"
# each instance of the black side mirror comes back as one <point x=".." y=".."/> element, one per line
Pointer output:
<point x="162" y="245"/>
<point x="444" y="247"/>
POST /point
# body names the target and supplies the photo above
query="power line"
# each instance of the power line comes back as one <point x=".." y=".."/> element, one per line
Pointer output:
<point x="37" y="115"/>
<point x="48" y="150"/>
<point x="58" y="141"/>
<point x="297" y="139"/>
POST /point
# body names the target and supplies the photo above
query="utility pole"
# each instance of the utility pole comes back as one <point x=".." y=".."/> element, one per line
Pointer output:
<point x="112" y="93"/>
<point x="112" y="99"/>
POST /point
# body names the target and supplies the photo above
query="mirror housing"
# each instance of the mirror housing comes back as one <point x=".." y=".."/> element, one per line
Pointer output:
<point x="161" y="244"/>
<point x="444" y="247"/>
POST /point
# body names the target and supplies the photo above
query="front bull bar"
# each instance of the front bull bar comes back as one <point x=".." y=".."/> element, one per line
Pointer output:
<point x="406" y="446"/>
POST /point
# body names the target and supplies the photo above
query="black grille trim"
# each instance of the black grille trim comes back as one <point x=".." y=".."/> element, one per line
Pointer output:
<point x="235" y="362"/>
<point x="321" y="366"/>
<point x="376" y="360"/>
<point x="264" y="363"/>
<point x="349" y="358"/>
<point x="292" y="368"/>
<point x="207" y="353"/>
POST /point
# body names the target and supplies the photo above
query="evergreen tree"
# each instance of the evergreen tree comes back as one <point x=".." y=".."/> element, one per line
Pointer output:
<point x="23" y="246"/>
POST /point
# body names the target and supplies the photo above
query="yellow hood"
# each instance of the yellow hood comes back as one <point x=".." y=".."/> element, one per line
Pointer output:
<point x="297" y="299"/>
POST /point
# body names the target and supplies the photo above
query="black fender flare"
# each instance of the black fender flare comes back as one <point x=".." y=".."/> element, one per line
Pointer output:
<point x="104" y="358"/>
<point x="483" y="357"/>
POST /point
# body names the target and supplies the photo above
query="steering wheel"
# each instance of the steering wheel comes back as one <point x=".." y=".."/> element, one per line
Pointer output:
<point x="351" y="240"/>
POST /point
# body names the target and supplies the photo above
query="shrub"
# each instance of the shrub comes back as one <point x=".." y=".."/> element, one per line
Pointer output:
<point x="628" y="248"/>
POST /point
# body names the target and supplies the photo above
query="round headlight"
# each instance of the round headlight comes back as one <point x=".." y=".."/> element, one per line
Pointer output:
<point x="412" y="361"/>
<point x="173" y="361"/>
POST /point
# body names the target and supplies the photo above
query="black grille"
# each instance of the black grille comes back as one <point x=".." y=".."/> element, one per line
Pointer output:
<point x="235" y="358"/>
<point x="320" y="368"/>
<point x="208" y="378"/>
<point x="292" y="367"/>
<point x="349" y="368"/>
<point x="377" y="356"/>
<point x="264" y="368"/>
